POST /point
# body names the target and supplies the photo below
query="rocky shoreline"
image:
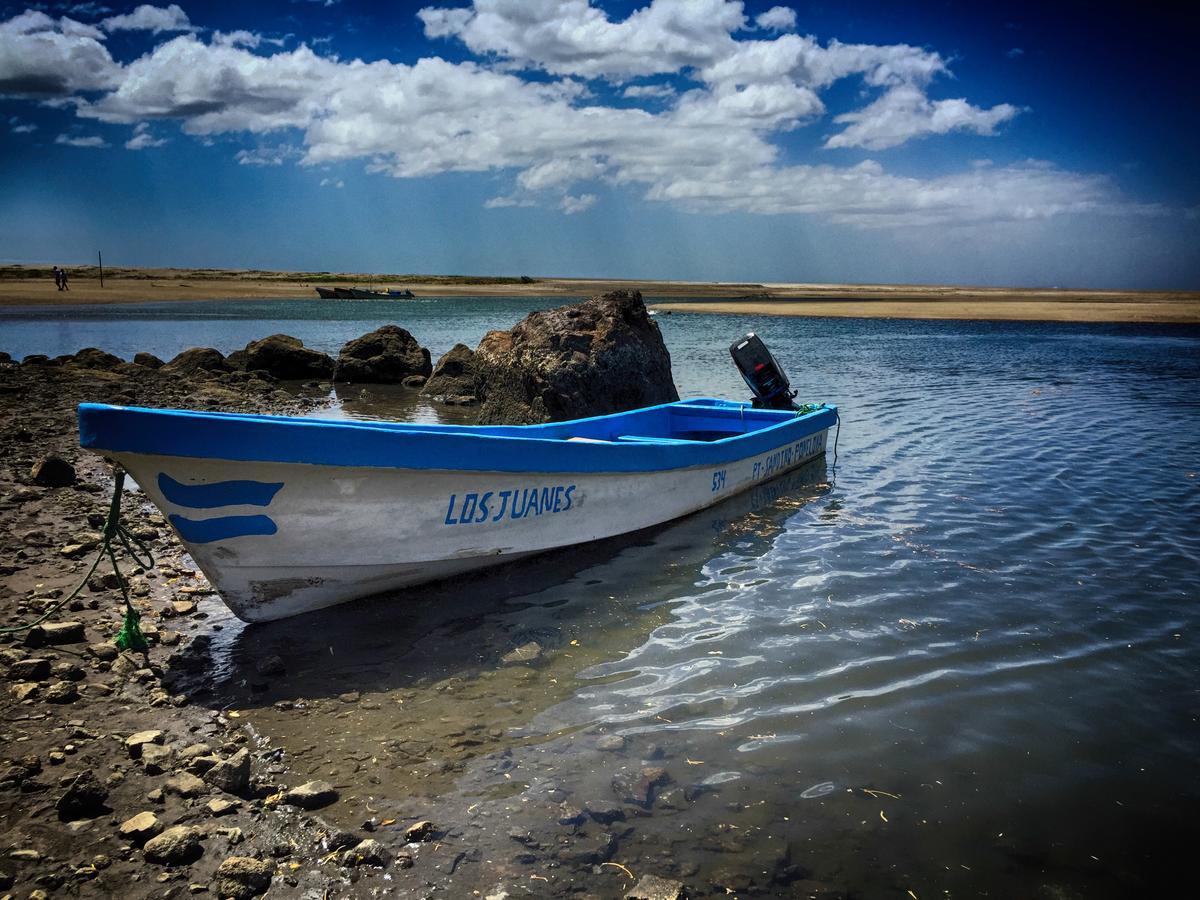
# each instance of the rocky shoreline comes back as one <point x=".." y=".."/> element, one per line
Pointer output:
<point x="111" y="783"/>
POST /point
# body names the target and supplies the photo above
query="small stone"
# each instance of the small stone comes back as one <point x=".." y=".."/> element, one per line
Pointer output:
<point x="56" y="757"/>
<point x="24" y="690"/>
<point x="530" y="652"/>
<point x="366" y="853"/>
<point x="340" y="840"/>
<point x="155" y="758"/>
<point x="55" y="633"/>
<point x="25" y="855"/>
<point x="418" y="831"/>
<point x="175" y="846"/>
<point x="242" y="877"/>
<point x="198" y="765"/>
<point x="191" y="751"/>
<point x="349" y="697"/>
<point x="231" y="775"/>
<point x="62" y="692"/>
<point x="52" y="471"/>
<point x="32" y="669"/>
<point x="84" y="798"/>
<point x="185" y="785"/>
<point x="136" y="743"/>
<point x="140" y="828"/>
<point x="651" y="887"/>
<point x="311" y="795"/>
<point x="219" y="807"/>
<point x="183" y="607"/>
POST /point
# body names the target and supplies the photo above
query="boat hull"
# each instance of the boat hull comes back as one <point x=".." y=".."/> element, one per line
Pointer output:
<point x="278" y="539"/>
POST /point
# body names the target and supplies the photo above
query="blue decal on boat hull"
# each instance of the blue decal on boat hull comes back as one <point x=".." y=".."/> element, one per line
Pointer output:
<point x="219" y="493"/>
<point x="205" y="531"/>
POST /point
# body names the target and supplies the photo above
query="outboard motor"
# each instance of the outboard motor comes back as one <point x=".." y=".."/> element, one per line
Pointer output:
<point x="762" y="373"/>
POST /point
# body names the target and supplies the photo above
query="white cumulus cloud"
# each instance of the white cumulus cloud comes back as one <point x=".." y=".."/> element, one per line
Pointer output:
<point x="89" y="141"/>
<point x="777" y="18"/>
<point x="707" y="119"/>
<point x="904" y="112"/>
<point x="143" y="139"/>
<point x="45" y="57"/>
<point x="156" y="19"/>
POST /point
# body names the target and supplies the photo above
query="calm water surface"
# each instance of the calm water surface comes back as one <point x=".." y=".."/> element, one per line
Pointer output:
<point x="963" y="662"/>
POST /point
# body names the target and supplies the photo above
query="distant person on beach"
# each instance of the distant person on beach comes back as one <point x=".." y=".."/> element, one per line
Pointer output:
<point x="62" y="273"/>
<point x="58" y="278"/>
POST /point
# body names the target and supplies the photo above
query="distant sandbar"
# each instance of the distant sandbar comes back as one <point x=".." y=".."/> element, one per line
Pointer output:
<point x="34" y="286"/>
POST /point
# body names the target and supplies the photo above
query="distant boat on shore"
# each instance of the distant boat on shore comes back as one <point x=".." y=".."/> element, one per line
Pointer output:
<point x="340" y="293"/>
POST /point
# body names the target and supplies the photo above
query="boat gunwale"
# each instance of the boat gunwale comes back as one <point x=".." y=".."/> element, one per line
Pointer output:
<point x="500" y="448"/>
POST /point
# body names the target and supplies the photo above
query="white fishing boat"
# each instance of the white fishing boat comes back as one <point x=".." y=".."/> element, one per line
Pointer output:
<point x="286" y="515"/>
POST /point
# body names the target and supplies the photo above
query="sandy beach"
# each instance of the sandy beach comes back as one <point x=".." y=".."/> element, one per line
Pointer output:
<point x="34" y="286"/>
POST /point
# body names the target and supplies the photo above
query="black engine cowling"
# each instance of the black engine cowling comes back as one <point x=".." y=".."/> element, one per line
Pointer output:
<point x="762" y="373"/>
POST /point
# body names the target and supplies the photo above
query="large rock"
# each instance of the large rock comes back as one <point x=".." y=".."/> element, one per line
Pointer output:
<point x="601" y="356"/>
<point x="285" y="357"/>
<point x="387" y="355"/>
<point x="454" y="375"/>
<point x="93" y="358"/>
<point x="148" y="360"/>
<point x="196" y="360"/>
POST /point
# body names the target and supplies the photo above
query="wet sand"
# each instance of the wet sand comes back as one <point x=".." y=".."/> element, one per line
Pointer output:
<point x="33" y="286"/>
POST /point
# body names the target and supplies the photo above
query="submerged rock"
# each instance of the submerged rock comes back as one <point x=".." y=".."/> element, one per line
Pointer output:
<point x="387" y="355"/>
<point x="651" y="887"/>
<point x="601" y="356"/>
<point x="284" y="356"/>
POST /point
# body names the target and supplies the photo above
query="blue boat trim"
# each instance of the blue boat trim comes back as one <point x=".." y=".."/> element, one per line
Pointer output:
<point x="486" y="448"/>
<point x="218" y="493"/>
<point x="205" y="531"/>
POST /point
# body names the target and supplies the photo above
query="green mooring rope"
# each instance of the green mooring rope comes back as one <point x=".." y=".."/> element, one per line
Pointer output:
<point x="130" y="636"/>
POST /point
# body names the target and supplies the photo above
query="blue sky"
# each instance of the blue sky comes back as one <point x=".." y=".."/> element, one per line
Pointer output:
<point x="695" y="139"/>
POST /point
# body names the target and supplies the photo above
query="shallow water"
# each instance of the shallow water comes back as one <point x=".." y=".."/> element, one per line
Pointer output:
<point x="961" y="663"/>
